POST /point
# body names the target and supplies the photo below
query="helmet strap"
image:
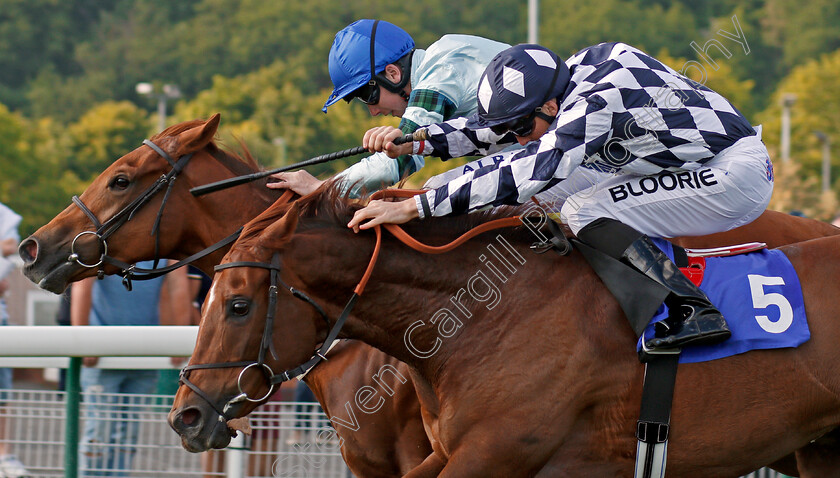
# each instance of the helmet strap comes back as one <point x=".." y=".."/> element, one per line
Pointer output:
<point x="403" y="63"/>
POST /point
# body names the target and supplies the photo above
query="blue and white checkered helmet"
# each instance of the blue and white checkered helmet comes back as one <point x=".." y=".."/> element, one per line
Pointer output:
<point x="516" y="82"/>
<point x="350" y="56"/>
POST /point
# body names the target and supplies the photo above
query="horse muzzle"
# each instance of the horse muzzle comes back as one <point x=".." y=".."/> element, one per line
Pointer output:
<point x="51" y="264"/>
<point x="200" y="428"/>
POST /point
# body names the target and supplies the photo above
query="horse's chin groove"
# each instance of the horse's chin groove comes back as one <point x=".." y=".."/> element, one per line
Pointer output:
<point x="56" y="281"/>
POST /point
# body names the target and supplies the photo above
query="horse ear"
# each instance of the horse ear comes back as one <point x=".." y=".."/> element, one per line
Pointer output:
<point x="198" y="137"/>
<point x="280" y="233"/>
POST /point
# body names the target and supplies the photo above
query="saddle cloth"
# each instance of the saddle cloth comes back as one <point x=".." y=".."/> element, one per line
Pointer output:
<point x="757" y="292"/>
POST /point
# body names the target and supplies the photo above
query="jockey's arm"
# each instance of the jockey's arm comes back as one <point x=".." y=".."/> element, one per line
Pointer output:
<point x="380" y="170"/>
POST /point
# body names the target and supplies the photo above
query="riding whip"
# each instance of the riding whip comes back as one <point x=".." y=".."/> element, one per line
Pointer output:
<point x="418" y="135"/>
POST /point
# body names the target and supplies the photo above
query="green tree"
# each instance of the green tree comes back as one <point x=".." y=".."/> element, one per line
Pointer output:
<point x="817" y="108"/>
<point x="38" y="34"/>
<point x="103" y="134"/>
<point x="33" y="183"/>
<point x="568" y="26"/>
<point x="802" y="30"/>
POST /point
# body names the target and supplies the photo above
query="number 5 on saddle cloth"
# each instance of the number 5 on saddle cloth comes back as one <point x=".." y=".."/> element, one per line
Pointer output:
<point x="773" y="318"/>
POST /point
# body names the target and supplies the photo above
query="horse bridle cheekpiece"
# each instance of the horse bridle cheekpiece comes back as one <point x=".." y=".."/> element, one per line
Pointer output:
<point x="266" y="344"/>
<point x="104" y="230"/>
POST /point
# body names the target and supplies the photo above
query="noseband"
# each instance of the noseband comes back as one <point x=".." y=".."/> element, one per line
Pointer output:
<point x="104" y="230"/>
<point x="267" y="345"/>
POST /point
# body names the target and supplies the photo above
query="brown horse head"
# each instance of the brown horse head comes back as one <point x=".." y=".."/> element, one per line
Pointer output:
<point x="239" y="304"/>
<point x="184" y="221"/>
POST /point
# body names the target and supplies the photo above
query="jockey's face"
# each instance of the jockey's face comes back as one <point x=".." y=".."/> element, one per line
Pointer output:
<point x="541" y="123"/>
<point x="389" y="104"/>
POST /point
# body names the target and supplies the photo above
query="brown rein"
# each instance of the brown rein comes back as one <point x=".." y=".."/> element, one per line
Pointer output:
<point x="418" y="246"/>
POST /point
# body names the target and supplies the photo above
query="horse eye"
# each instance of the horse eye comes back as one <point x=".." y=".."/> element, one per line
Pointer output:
<point x="120" y="182"/>
<point x="239" y="307"/>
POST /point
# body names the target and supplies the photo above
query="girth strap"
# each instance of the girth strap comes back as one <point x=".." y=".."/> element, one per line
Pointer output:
<point x="653" y="426"/>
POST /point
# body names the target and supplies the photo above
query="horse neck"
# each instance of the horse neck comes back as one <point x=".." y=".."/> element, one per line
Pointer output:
<point x="407" y="291"/>
<point x="210" y="218"/>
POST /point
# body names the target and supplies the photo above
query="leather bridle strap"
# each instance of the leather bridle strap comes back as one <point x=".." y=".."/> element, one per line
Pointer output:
<point x="321" y="353"/>
<point x="104" y="230"/>
<point x="130" y="271"/>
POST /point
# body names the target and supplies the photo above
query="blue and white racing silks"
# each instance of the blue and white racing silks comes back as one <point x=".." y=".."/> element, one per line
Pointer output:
<point x="448" y="71"/>
<point x="622" y="111"/>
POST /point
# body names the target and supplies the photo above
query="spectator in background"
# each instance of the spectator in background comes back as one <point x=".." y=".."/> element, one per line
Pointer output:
<point x="10" y="466"/>
<point x="112" y="423"/>
<point x="176" y="308"/>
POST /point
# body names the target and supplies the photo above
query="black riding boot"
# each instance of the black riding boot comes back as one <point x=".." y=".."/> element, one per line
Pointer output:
<point x="692" y="320"/>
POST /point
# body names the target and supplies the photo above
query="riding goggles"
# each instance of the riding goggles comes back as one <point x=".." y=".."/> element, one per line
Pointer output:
<point x="367" y="94"/>
<point x="522" y="126"/>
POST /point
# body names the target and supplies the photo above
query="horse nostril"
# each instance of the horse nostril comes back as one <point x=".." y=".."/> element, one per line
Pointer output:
<point x="190" y="416"/>
<point x="28" y="250"/>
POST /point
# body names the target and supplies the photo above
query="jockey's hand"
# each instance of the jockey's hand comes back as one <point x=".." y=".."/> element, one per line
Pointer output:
<point x="380" y="139"/>
<point x="384" y="212"/>
<point x="300" y="182"/>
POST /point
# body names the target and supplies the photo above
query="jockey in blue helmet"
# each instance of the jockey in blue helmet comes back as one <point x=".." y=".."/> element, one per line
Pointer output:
<point x="377" y="63"/>
<point x="359" y="60"/>
<point x="682" y="161"/>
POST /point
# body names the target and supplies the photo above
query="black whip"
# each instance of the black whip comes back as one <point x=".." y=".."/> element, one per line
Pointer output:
<point x="418" y="135"/>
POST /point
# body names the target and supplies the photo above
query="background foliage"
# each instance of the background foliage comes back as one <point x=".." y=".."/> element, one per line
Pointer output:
<point x="68" y="105"/>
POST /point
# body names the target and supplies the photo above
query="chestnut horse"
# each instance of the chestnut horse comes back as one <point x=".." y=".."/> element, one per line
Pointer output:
<point x="548" y="318"/>
<point x="388" y="444"/>
<point x="392" y="444"/>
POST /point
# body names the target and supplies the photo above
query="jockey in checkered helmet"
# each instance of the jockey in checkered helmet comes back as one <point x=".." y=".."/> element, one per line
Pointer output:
<point x="516" y="84"/>
<point x="645" y="151"/>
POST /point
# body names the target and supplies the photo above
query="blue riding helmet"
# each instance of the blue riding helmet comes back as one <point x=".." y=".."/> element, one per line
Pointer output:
<point x="517" y="82"/>
<point x="350" y="55"/>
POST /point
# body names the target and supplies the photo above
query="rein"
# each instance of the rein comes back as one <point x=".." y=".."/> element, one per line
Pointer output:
<point x="266" y="344"/>
<point x="104" y="230"/>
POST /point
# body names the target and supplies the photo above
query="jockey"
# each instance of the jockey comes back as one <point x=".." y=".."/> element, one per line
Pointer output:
<point x="376" y="62"/>
<point x="685" y="162"/>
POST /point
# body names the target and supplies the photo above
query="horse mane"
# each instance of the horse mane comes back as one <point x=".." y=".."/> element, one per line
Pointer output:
<point x="239" y="165"/>
<point x="330" y="206"/>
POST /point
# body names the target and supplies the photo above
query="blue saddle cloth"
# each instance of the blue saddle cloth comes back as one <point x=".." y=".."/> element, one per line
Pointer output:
<point x="760" y="297"/>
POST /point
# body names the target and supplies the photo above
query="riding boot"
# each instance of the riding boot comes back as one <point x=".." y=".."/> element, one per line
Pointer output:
<point x="692" y="319"/>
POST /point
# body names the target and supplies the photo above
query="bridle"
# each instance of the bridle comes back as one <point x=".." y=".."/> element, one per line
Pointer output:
<point x="319" y="354"/>
<point x="267" y="345"/>
<point x="104" y="230"/>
